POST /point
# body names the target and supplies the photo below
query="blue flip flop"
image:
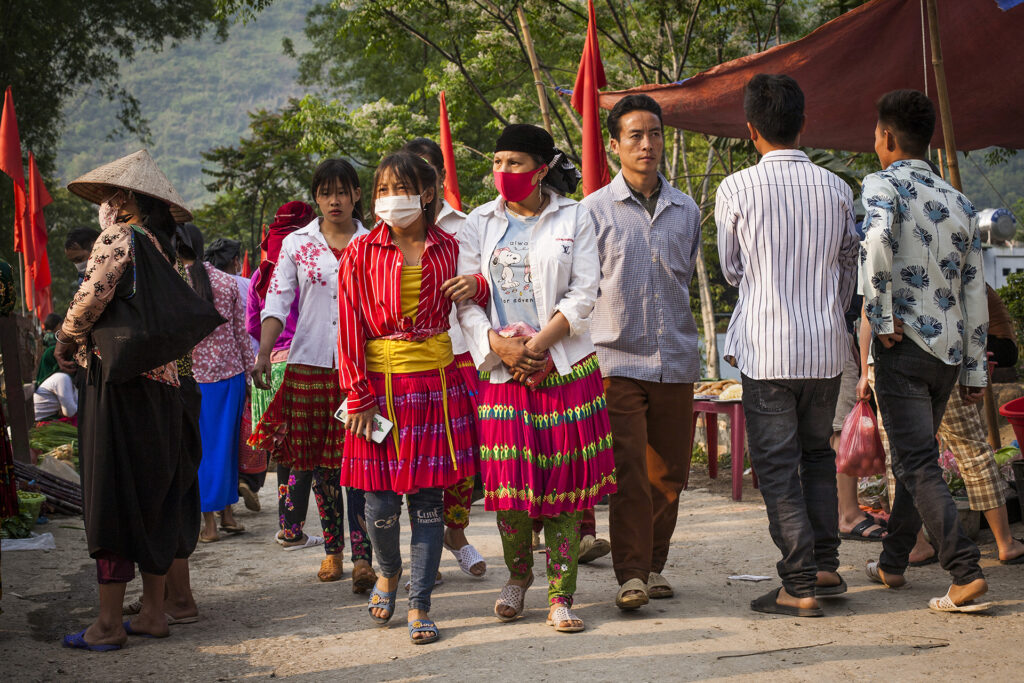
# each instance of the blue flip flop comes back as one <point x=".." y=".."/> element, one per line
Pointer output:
<point x="132" y="632"/>
<point x="76" y="641"/>
<point x="382" y="600"/>
<point x="423" y="626"/>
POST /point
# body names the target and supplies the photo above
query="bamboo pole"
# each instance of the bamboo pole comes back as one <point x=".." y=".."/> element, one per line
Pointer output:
<point x="541" y="96"/>
<point x="953" y="166"/>
<point x="945" y="113"/>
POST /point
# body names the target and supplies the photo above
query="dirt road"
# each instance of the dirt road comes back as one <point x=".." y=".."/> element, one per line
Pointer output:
<point x="264" y="614"/>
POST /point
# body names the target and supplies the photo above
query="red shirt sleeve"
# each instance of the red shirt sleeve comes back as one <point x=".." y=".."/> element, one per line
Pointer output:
<point x="351" y="337"/>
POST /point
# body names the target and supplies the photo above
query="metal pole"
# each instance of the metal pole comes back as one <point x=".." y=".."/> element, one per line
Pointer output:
<point x="528" y="41"/>
<point x="946" y="116"/>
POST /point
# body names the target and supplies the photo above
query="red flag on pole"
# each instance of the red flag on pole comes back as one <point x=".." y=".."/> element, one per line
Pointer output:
<point x="11" y="164"/>
<point x="263" y="240"/>
<point x="246" y="272"/>
<point x="589" y="79"/>
<point x="38" y="264"/>
<point x="451" y="178"/>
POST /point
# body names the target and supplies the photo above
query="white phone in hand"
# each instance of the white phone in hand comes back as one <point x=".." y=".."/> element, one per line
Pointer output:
<point x="381" y="425"/>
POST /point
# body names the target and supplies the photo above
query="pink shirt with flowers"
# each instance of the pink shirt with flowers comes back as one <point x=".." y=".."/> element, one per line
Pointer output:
<point x="227" y="351"/>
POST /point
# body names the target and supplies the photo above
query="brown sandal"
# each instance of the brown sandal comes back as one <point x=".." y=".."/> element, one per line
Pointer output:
<point x="330" y="568"/>
<point x="363" y="577"/>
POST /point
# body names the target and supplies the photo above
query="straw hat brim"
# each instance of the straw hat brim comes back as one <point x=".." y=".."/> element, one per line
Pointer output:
<point x="137" y="173"/>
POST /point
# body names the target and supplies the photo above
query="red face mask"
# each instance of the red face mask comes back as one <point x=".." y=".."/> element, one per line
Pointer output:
<point x="515" y="187"/>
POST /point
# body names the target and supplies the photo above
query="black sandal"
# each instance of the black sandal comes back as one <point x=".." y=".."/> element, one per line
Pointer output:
<point x="768" y="603"/>
<point x="857" y="532"/>
<point x="831" y="591"/>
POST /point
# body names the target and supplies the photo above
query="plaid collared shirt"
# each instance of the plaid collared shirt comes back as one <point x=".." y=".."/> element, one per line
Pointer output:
<point x="642" y="325"/>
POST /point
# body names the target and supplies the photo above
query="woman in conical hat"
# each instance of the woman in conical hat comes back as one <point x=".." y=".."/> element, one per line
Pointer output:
<point x="137" y="478"/>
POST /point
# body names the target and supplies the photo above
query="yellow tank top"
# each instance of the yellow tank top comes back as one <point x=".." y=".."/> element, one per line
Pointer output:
<point x="412" y="278"/>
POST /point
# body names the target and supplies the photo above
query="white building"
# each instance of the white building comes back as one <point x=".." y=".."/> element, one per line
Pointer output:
<point x="1001" y="262"/>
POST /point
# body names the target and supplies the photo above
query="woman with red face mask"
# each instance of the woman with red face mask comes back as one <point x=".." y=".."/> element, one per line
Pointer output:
<point x="545" y="438"/>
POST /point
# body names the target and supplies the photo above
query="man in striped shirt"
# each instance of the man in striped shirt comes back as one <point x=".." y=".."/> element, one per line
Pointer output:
<point x="786" y="238"/>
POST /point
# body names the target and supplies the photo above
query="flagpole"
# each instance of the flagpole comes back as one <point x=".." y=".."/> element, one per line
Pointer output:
<point x="21" y="280"/>
<point x="535" y="66"/>
<point x="946" y="117"/>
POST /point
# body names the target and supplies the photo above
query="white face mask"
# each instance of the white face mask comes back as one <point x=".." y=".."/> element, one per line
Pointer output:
<point x="80" y="267"/>
<point x="398" y="211"/>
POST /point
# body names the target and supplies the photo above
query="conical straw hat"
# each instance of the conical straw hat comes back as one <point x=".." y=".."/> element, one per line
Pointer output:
<point x="136" y="172"/>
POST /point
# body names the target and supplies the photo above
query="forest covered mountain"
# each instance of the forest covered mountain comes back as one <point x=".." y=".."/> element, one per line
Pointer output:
<point x="195" y="96"/>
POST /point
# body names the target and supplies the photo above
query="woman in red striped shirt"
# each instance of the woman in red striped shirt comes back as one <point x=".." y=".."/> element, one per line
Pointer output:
<point x="395" y="361"/>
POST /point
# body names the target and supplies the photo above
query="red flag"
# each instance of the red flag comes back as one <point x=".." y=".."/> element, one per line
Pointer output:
<point x="245" y="265"/>
<point x="589" y="79"/>
<point x="38" y="263"/>
<point x="11" y="164"/>
<point x="263" y="240"/>
<point x="451" y="177"/>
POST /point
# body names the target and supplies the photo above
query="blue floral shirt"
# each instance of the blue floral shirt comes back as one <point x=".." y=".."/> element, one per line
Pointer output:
<point x="921" y="262"/>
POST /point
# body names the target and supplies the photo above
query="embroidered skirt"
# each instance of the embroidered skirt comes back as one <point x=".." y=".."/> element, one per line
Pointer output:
<point x="547" y="450"/>
<point x="423" y="458"/>
<point x="298" y="427"/>
<point x="261" y="398"/>
<point x="465" y="365"/>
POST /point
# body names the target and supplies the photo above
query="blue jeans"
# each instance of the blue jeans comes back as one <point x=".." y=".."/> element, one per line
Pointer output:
<point x="912" y="388"/>
<point x="383" y="517"/>
<point x="789" y="423"/>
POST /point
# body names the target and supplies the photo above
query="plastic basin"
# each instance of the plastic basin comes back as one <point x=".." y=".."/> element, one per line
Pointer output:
<point x="1014" y="413"/>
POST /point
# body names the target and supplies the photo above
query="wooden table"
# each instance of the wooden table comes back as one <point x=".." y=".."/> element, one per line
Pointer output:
<point x="711" y="410"/>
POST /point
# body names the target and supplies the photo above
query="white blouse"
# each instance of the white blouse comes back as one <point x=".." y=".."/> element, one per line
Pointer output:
<point x="307" y="264"/>
<point x="565" y="270"/>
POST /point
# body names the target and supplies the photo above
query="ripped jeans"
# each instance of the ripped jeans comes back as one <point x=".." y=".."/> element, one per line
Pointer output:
<point x="383" y="519"/>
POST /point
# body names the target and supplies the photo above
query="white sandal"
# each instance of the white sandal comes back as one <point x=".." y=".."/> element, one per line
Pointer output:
<point x="311" y="542"/>
<point x="468" y="557"/>
<point x="512" y="596"/>
<point x="561" y="615"/>
<point x="946" y="604"/>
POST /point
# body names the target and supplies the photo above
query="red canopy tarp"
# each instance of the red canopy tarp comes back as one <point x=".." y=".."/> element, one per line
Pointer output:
<point x="846" y="64"/>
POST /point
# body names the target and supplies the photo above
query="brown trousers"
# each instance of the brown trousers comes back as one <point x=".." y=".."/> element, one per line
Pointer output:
<point x="651" y="440"/>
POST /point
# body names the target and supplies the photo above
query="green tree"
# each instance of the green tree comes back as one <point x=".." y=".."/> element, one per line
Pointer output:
<point x="377" y="67"/>
<point x="52" y="49"/>
<point x="266" y="169"/>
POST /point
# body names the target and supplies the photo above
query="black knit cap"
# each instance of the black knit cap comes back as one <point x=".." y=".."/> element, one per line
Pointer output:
<point x="522" y="137"/>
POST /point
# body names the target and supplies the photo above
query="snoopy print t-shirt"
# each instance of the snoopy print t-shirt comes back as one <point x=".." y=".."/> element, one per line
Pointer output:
<point x="511" y="280"/>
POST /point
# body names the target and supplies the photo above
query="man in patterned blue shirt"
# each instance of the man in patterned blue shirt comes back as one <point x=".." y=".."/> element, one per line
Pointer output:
<point x="921" y="271"/>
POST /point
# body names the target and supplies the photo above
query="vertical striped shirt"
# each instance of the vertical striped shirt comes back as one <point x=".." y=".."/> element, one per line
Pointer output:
<point x="642" y="325"/>
<point x="786" y="238"/>
<point x="370" y="305"/>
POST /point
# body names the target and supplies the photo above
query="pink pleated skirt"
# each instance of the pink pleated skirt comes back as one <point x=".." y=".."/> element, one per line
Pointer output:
<point x="547" y="450"/>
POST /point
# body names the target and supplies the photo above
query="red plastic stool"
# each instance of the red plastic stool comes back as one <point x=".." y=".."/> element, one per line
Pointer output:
<point x="734" y="409"/>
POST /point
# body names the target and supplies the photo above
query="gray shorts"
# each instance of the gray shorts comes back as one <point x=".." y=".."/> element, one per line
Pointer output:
<point x="847" y="390"/>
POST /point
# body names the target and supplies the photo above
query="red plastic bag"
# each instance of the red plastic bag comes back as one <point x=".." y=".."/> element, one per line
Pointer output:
<point x="860" y="448"/>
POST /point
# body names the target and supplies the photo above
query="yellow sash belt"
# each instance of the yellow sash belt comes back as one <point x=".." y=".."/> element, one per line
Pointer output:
<point x="390" y="356"/>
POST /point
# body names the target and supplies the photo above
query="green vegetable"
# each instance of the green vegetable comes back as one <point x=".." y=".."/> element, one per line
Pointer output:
<point x="1007" y="454"/>
<point x="52" y="435"/>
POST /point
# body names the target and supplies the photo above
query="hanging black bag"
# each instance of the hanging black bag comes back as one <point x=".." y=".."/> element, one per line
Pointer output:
<point x="154" y="317"/>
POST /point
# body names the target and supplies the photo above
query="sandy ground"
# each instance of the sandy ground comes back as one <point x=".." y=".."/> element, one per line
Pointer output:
<point x="264" y="614"/>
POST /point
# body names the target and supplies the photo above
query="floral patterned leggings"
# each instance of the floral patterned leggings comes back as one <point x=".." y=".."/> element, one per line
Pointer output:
<point x="457" y="501"/>
<point x="562" y="537"/>
<point x="293" y="500"/>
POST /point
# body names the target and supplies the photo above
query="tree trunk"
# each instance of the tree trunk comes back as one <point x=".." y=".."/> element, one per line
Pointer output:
<point x="707" y="307"/>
